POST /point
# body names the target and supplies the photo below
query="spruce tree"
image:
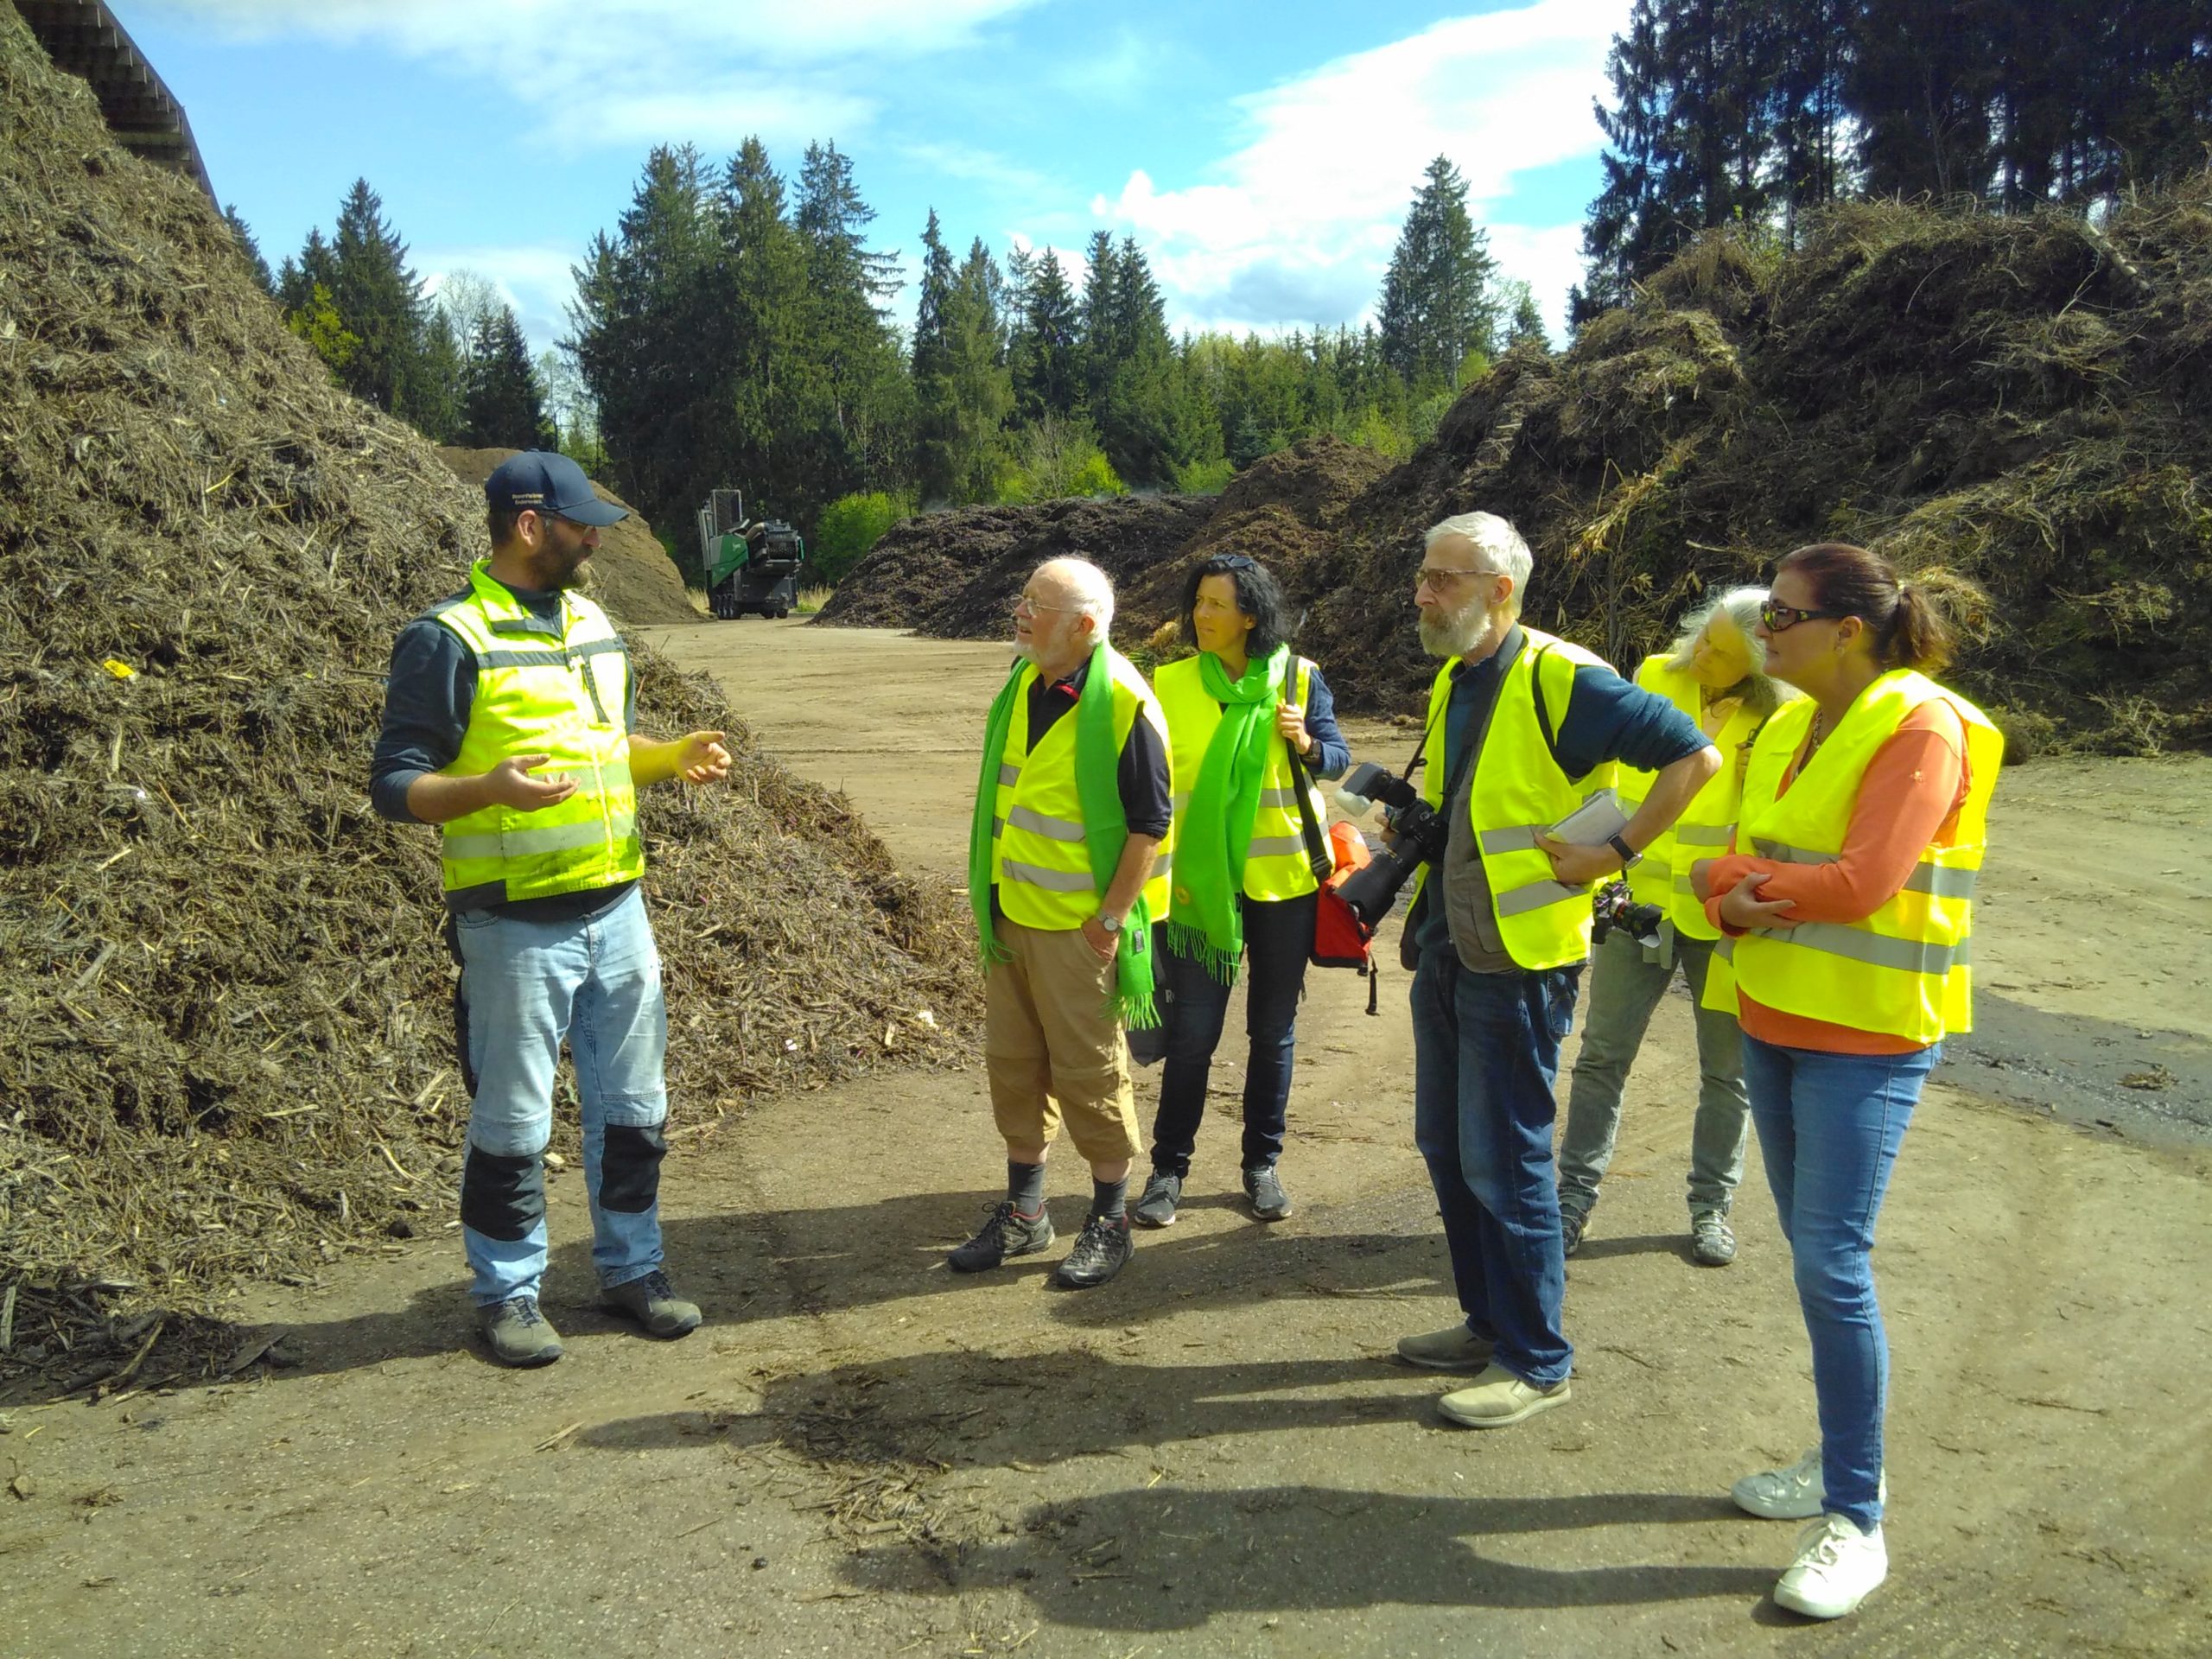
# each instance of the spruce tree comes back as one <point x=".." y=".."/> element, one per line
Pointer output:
<point x="1437" y="306"/>
<point x="380" y="301"/>
<point x="441" y="381"/>
<point x="251" y="250"/>
<point x="505" y="408"/>
<point x="1047" y="345"/>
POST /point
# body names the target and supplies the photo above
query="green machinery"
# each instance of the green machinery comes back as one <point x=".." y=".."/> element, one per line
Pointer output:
<point x="751" y="565"/>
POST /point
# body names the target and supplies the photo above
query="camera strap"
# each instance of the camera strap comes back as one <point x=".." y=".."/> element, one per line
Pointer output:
<point x="1318" y="858"/>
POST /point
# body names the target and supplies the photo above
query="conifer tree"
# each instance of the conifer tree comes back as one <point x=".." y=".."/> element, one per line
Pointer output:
<point x="380" y="301"/>
<point x="251" y="250"/>
<point x="1047" y="350"/>
<point x="1437" y="306"/>
<point x="505" y="408"/>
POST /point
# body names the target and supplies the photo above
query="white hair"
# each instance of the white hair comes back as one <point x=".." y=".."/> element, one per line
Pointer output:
<point x="1502" y="551"/>
<point x="1740" y="608"/>
<point x="1089" y="591"/>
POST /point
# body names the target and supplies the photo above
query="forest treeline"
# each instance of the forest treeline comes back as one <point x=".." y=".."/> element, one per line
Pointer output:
<point x="740" y="327"/>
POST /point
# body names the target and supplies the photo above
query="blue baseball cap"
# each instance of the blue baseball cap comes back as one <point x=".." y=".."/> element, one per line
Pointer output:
<point x="538" y="480"/>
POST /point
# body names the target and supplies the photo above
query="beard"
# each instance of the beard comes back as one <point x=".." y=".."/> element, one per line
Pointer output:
<point x="1454" y="633"/>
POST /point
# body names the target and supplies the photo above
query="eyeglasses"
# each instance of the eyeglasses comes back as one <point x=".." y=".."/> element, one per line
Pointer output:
<point x="1780" y="619"/>
<point x="1224" y="562"/>
<point x="1025" y="606"/>
<point x="1438" y="579"/>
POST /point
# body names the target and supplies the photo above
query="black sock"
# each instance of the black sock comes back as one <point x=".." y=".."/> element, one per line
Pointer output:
<point x="1024" y="1184"/>
<point x="1109" y="1199"/>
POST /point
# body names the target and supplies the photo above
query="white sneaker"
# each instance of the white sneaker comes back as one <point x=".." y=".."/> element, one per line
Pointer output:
<point x="1836" y="1565"/>
<point x="1792" y="1494"/>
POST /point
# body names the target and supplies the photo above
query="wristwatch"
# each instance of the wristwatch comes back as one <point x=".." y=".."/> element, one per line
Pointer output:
<point x="1630" y="857"/>
<point x="1111" y="923"/>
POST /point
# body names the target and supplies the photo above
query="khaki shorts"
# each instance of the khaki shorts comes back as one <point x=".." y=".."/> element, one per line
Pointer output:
<point x="1053" y="1046"/>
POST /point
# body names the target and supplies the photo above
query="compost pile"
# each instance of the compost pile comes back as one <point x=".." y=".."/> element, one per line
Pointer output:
<point x="2022" y="402"/>
<point x="631" y="574"/>
<point x="224" y="1047"/>
<point x="955" y="574"/>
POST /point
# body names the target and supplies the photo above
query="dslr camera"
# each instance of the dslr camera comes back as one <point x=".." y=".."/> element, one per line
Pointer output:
<point x="1421" y="832"/>
<point x="1612" y="906"/>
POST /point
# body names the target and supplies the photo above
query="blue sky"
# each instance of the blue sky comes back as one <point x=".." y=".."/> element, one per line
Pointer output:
<point x="1262" y="154"/>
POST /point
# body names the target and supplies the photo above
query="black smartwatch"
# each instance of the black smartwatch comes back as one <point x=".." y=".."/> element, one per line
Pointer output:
<point x="1630" y="857"/>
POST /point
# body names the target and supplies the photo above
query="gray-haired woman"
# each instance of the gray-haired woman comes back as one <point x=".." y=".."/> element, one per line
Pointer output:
<point x="1715" y="674"/>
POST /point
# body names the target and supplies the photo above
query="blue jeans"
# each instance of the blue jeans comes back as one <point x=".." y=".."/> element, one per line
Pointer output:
<point x="1485" y="1054"/>
<point x="1278" y="939"/>
<point x="1830" y="1127"/>
<point x="526" y="986"/>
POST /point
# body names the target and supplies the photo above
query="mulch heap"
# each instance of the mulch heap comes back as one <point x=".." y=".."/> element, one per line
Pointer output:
<point x="226" y="1052"/>
<point x="2025" y="403"/>
<point x="954" y="573"/>
<point x="631" y="574"/>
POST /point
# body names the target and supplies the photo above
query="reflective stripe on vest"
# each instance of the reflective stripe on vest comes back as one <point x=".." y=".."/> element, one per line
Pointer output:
<point x="1518" y="790"/>
<point x="1040" y="851"/>
<point x="556" y="689"/>
<point x="1906" y="970"/>
<point x="1276" y="864"/>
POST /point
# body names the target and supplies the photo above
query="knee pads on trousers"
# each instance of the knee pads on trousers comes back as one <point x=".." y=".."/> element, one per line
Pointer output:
<point x="502" y="1196"/>
<point x="629" y="1168"/>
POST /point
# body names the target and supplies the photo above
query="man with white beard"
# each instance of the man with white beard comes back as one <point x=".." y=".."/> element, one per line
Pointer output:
<point x="1521" y="726"/>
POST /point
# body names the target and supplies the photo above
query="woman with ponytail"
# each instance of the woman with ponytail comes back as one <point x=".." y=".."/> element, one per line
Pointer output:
<point x="1250" y="726"/>
<point x="1846" y="901"/>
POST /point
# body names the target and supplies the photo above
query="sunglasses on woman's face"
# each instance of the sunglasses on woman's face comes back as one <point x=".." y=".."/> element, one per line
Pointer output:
<point x="1779" y="619"/>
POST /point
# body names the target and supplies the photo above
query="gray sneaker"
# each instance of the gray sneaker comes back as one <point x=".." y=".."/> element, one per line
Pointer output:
<point x="1161" y="1194"/>
<point x="1711" y="1243"/>
<point x="518" y="1333"/>
<point x="1004" y="1235"/>
<point x="1572" y="1223"/>
<point x="654" y="1303"/>
<point x="1455" y="1348"/>
<point x="1264" y="1188"/>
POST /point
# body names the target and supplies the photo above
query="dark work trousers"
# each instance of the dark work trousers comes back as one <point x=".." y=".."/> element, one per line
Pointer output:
<point x="1278" y="938"/>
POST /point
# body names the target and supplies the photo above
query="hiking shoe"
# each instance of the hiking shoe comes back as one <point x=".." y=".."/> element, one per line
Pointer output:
<point x="1499" y="1398"/>
<point x="1455" y="1348"/>
<point x="1836" y="1565"/>
<point x="654" y="1303"/>
<point x="1264" y="1188"/>
<point x="1571" y="1223"/>
<point x="1712" y="1244"/>
<point x="1005" y="1234"/>
<point x="1161" y="1194"/>
<point x="1792" y="1494"/>
<point x="1100" y="1252"/>
<point x="518" y="1333"/>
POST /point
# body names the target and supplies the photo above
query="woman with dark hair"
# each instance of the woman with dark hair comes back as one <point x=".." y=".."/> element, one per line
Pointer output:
<point x="1249" y="727"/>
<point x="1847" y="900"/>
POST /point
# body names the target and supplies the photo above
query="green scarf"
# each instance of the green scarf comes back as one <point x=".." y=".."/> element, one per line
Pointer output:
<point x="1106" y="829"/>
<point x="1208" y="920"/>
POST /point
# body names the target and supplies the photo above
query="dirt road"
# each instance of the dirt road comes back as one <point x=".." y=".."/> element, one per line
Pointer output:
<point x="1214" y="1454"/>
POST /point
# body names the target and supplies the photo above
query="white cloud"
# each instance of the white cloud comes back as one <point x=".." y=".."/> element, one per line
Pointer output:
<point x="1308" y="210"/>
<point x="617" y="72"/>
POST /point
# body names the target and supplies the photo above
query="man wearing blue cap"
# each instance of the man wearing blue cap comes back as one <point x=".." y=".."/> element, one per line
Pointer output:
<point x="508" y="723"/>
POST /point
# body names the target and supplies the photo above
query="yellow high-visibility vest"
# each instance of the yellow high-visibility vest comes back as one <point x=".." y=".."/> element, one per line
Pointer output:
<point x="557" y="689"/>
<point x="1519" y="792"/>
<point x="1905" y="970"/>
<point x="1276" y="865"/>
<point x="1663" y="876"/>
<point x="1040" y="852"/>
